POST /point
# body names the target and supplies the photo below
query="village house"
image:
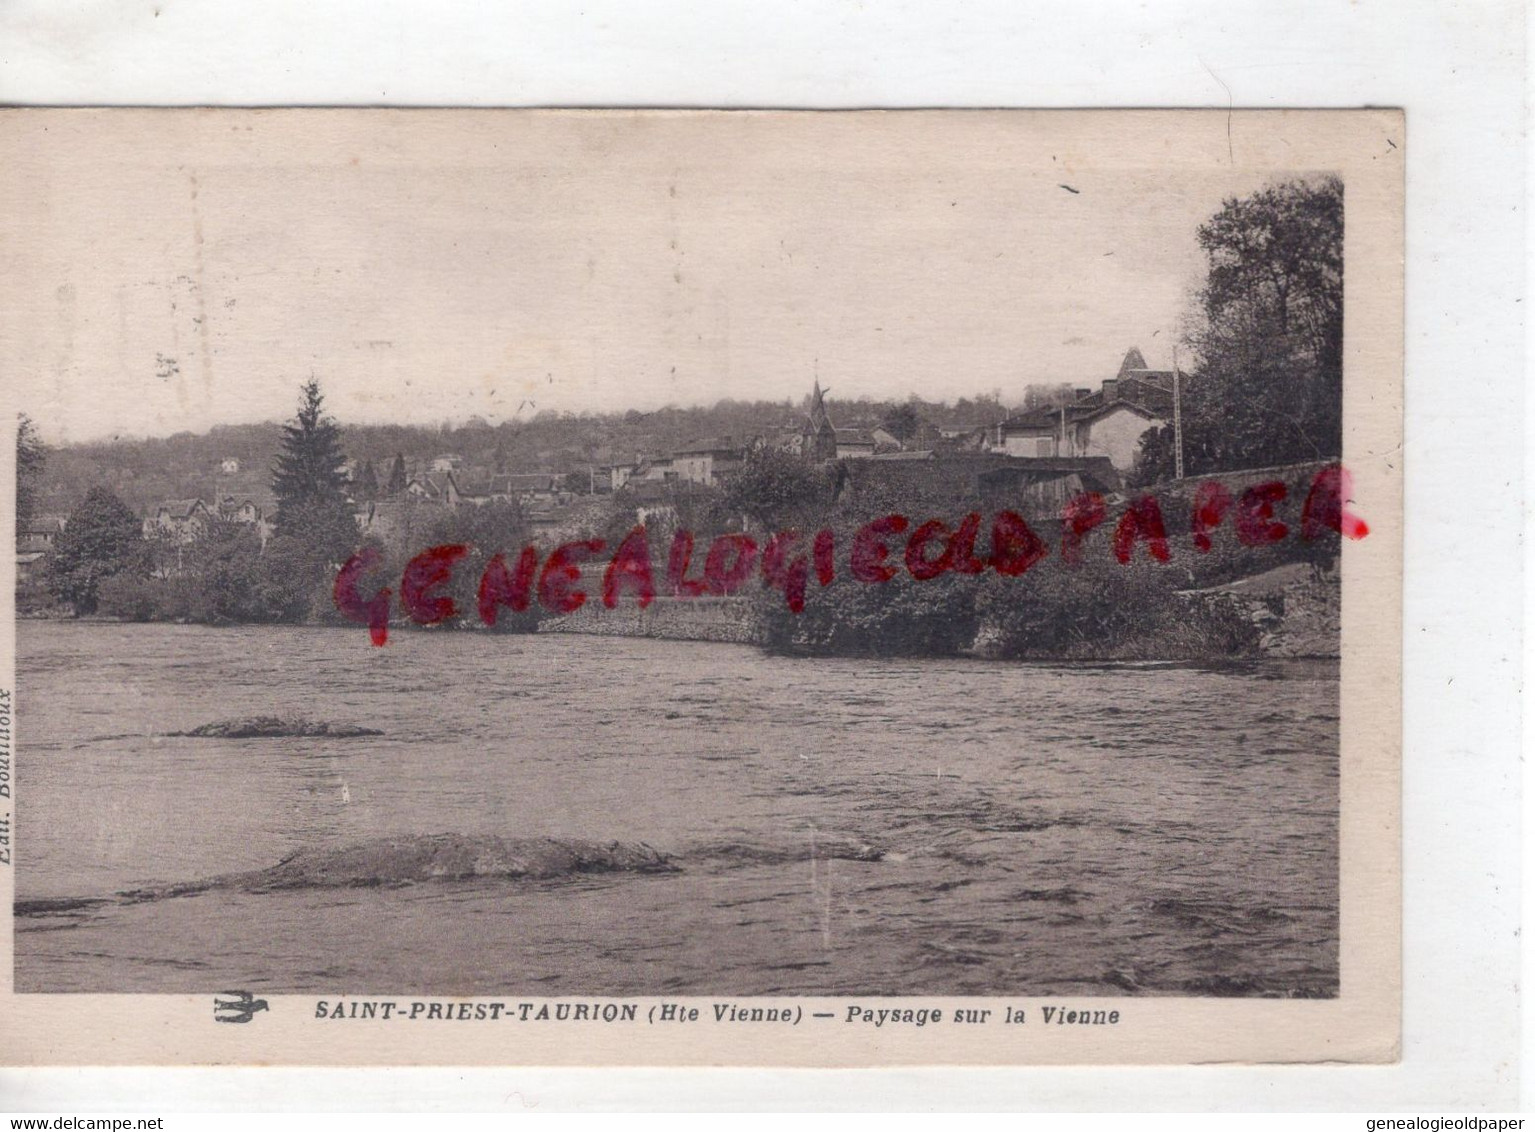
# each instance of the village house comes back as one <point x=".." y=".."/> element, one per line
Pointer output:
<point x="178" y="521"/>
<point x="648" y="469"/>
<point x="434" y="487"/>
<point x="254" y="512"/>
<point x="707" y="461"/>
<point x="35" y="541"/>
<point x="526" y="488"/>
<point x="1108" y="422"/>
<point x="856" y="443"/>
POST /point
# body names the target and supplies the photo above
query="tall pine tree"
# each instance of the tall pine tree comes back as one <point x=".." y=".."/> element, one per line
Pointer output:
<point x="396" y="482"/>
<point x="308" y="473"/>
<point x="367" y="483"/>
<point x="308" y="481"/>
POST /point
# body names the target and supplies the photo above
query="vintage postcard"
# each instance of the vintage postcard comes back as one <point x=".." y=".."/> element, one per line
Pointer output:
<point x="701" y="588"/>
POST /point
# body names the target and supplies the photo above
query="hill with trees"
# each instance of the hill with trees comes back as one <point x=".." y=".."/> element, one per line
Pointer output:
<point x="142" y="472"/>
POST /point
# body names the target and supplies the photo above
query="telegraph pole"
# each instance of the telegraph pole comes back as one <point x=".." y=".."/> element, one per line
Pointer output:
<point x="1177" y="420"/>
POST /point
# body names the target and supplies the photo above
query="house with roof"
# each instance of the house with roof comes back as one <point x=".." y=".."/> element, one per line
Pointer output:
<point x="526" y="488"/>
<point x="618" y="474"/>
<point x="255" y="512"/>
<point x="434" y="487"/>
<point x="645" y="469"/>
<point x="179" y="521"/>
<point x="35" y="541"/>
<point x="855" y="443"/>
<point x="1106" y="422"/>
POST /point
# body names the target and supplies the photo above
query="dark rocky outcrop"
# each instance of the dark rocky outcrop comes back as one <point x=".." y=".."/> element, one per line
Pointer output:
<point x="275" y="727"/>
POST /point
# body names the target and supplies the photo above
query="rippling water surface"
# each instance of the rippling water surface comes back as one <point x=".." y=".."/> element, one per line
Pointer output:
<point x="834" y="826"/>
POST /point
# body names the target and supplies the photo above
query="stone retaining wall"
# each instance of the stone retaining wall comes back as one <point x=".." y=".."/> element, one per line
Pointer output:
<point x="725" y="619"/>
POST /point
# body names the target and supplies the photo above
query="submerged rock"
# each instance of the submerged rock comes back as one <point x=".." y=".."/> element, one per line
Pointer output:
<point x="446" y="856"/>
<point x="274" y="727"/>
<point x="389" y="862"/>
<point x="450" y="857"/>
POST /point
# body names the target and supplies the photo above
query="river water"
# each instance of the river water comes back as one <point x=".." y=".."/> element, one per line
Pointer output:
<point x="833" y="826"/>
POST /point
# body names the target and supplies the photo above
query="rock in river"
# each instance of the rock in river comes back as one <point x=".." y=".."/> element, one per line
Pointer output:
<point x="272" y="727"/>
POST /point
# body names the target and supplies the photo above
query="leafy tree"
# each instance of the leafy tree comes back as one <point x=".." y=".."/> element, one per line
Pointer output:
<point x="494" y="527"/>
<point x="1276" y="266"/>
<point x="327" y="530"/>
<point x="1267" y="387"/>
<point x="101" y="539"/>
<point x="1051" y="396"/>
<point x="227" y="565"/>
<point x="287" y="583"/>
<point x="772" y="485"/>
<point x="902" y="422"/>
<point x="309" y="472"/>
<point x="31" y="457"/>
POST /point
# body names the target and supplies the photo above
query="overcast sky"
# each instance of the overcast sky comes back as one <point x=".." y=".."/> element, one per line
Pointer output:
<point x="173" y="272"/>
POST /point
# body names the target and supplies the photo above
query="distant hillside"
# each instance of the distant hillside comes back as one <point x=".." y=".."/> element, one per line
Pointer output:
<point x="144" y="472"/>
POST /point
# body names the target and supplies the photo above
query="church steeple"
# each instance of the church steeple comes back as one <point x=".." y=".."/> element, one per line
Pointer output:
<point x="1133" y="360"/>
<point x="820" y="435"/>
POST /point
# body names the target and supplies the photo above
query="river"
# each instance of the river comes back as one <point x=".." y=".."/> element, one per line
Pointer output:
<point x="833" y="826"/>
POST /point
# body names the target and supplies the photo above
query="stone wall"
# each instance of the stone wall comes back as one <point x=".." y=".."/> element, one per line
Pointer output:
<point x="1296" y="610"/>
<point x="725" y="619"/>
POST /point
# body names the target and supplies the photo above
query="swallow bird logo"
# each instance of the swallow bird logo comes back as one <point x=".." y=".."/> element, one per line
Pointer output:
<point x="236" y="1006"/>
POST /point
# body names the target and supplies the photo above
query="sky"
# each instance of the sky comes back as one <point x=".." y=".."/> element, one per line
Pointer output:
<point x="173" y="271"/>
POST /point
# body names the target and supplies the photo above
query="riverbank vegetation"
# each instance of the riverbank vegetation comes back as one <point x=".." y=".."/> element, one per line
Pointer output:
<point x="1263" y="391"/>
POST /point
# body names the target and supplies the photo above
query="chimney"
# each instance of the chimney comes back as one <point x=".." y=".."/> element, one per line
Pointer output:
<point x="1110" y="389"/>
<point x="1081" y="393"/>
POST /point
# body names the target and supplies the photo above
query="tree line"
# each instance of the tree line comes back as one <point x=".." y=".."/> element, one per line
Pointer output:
<point x="1263" y="387"/>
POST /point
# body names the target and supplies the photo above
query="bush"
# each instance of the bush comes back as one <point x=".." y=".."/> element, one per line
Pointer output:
<point x="288" y="582"/>
<point x="1101" y="610"/>
<point x="902" y="617"/>
<point x="135" y="598"/>
<point x="1097" y="609"/>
